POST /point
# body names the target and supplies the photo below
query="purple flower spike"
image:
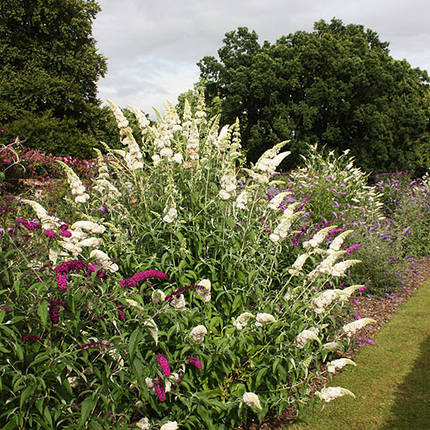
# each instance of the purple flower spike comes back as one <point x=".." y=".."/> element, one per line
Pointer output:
<point x="142" y="276"/>
<point x="352" y="248"/>
<point x="71" y="265"/>
<point x="195" y="362"/>
<point x="164" y="364"/>
<point x="31" y="338"/>
<point x="54" y="310"/>
<point x="91" y="268"/>
<point x="158" y="387"/>
<point x="62" y="281"/>
<point x="65" y="233"/>
<point x="28" y="224"/>
<point x="49" y="233"/>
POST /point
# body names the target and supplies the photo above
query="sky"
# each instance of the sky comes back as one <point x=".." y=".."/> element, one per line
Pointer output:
<point x="152" y="47"/>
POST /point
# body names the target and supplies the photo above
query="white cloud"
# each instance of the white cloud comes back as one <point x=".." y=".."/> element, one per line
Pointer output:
<point x="153" y="47"/>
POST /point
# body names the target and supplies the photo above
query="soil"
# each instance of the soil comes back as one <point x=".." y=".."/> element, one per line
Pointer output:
<point x="380" y="309"/>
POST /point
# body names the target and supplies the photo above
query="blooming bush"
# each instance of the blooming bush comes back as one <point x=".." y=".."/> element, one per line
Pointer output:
<point x="163" y="300"/>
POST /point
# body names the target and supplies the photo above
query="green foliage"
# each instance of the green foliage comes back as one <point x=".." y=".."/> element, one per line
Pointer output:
<point x="337" y="85"/>
<point x="49" y="66"/>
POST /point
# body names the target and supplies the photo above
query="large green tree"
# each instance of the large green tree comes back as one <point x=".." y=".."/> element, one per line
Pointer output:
<point x="49" y="66"/>
<point x="337" y="85"/>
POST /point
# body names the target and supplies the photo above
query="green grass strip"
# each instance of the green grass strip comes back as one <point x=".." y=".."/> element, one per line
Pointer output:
<point x="391" y="381"/>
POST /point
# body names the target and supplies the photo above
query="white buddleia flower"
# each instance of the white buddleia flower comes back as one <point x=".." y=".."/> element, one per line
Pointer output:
<point x="252" y="400"/>
<point x="263" y="319"/>
<point x="204" y="290"/>
<point x="150" y="384"/>
<point x="170" y="214"/>
<point x="92" y="242"/>
<point x="338" y="364"/>
<point x="82" y="198"/>
<point x="354" y="326"/>
<point x="339" y="269"/>
<point x="103" y="259"/>
<point x="330" y="346"/>
<point x="121" y="120"/>
<point x="304" y="336"/>
<point x="298" y="264"/>
<point x="170" y="425"/>
<point x="242" y="320"/>
<point x="89" y="226"/>
<point x="277" y="200"/>
<point x="224" y="195"/>
<point x="326" y="265"/>
<point x="178" y="158"/>
<point x="241" y="200"/>
<point x="338" y="241"/>
<point x="158" y="296"/>
<point x="346" y="293"/>
<point x="178" y="302"/>
<point x="318" y="237"/>
<point x="330" y="393"/>
<point x="143" y="424"/>
<point x="198" y="333"/>
<point x="325" y="299"/>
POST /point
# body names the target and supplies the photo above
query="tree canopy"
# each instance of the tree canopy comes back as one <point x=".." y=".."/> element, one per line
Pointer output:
<point x="337" y="85"/>
<point x="49" y="66"/>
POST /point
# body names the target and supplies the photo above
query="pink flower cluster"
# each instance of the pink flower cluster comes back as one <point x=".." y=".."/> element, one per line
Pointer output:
<point x="164" y="364"/>
<point x="31" y="338"/>
<point x="100" y="274"/>
<point x="54" y="310"/>
<point x="28" y="224"/>
<point x="142" y="276"/>
<point x="63" y="269"/>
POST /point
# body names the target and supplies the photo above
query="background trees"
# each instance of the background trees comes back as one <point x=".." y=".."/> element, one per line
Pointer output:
<point x="49" y="67"/>
<point x="337" y="85"/>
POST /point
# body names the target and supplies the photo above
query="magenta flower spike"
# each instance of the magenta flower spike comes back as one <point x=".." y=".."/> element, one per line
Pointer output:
<point x="158" y="387"/>
<point x="195" y="362"/>
<point x="31" y="338"/>
<point x="49" y="233"/>
<point x="142" y="276"/>
<point x="62" y="281"/>
<point x="164" y="364"/>
<point x="54" y="310"/>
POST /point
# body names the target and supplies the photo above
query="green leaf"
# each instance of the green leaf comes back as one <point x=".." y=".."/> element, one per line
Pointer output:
<point x="47" y="415"/>
<point x="259" y="377"/>
<point x="26" y="394"/>
<point x="134" y="339"/>
<point x="236" y="303"/>
<point x="86" y="408"/>
<point x="42" y="310"/>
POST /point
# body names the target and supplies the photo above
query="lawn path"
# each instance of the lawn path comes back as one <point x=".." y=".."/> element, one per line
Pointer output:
<point x="391" y="381"/>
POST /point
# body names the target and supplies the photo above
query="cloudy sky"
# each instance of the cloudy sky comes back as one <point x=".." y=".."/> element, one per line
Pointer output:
<point x="153" y="46"/>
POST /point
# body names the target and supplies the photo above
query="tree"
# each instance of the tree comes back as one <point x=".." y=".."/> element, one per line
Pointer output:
<point x="49" y="67"/>
<point x="337" y="85"/>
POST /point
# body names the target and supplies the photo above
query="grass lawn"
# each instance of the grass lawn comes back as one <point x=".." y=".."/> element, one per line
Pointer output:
<point x="391" y="381"/>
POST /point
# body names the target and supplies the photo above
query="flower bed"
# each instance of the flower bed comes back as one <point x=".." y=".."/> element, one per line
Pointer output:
<point x="170" y="291"/>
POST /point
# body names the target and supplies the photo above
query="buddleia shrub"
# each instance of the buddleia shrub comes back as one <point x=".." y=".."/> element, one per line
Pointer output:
<point x="170" y="298"/>
<point x="335" y="189"/>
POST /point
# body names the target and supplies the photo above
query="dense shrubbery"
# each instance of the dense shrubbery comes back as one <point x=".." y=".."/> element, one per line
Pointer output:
<point x="177" y="293"/>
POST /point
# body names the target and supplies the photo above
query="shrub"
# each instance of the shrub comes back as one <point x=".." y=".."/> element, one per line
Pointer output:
<point x="168" y="300"/>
